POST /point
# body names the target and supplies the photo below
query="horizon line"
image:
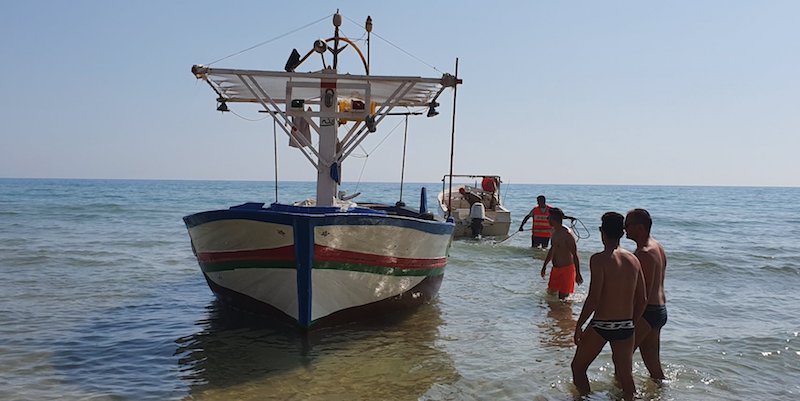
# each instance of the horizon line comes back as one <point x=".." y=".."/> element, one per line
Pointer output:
<point x="395" y="182"/>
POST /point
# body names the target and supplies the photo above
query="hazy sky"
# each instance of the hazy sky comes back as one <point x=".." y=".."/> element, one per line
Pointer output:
<point x="572" y="92"/>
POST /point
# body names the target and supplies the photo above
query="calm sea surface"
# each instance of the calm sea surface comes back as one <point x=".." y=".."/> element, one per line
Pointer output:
<point x="102" y="299"/>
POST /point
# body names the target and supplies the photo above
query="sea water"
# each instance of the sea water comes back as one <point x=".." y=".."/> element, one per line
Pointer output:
<point x="102" y="299"/>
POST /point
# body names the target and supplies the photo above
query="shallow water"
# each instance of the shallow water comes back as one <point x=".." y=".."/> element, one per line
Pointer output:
<point x="103" y="300"/>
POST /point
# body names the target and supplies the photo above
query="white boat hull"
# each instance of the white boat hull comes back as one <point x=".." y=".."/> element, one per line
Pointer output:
<point x="497" y="222"/>
<point x="351" y="263"/>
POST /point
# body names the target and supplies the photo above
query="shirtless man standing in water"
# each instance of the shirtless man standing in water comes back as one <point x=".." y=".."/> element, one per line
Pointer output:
<point x="616" y="298"/>
<point x="563" y="252"/>
<point x="654" y="264"/>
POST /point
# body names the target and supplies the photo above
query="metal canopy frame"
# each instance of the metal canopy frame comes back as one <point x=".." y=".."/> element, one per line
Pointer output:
<point x="286" y="95"/>
<point x="407" y="91"/>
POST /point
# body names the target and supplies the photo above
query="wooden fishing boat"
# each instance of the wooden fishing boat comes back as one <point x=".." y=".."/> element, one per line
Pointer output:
<point x="329" y="259"/>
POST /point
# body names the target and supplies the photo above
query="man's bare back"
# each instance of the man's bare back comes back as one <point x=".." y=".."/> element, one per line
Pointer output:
<point x="654" y="263"/>
<point x="563" y="246"/>
<point x="620" y="273"/>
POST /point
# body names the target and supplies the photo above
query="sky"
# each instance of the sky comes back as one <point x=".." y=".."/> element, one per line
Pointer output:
<point x="554" y="92"/>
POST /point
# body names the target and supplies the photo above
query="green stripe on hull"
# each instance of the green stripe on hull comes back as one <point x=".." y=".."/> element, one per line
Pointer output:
<point x="355" y="267"/>
<point x="246" y="264"/>
<point x="386" y="271"/>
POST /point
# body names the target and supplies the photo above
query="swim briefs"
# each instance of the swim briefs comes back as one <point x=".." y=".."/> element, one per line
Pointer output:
<point x="656" y="315"/>
<point x="562" y="279"/>
<point x="613" y="330"/>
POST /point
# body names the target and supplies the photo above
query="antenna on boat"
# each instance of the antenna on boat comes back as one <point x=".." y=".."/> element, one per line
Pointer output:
<point x="337" y="22"/>
<point x="368" y="27"/>
<point x="403" y="165"/>
<point x="452" y="145"/>
<point x="275" y="143"/>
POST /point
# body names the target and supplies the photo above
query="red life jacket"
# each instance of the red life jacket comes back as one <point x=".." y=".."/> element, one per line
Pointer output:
<point x="488" y="184"/>
<point x="541" y="223"/>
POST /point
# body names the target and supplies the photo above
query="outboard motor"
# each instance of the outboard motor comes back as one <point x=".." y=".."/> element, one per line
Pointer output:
<point x="477" y="214"/>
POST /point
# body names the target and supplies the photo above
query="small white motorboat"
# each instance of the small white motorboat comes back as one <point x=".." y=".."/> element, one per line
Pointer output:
<point x="475" y="207"/>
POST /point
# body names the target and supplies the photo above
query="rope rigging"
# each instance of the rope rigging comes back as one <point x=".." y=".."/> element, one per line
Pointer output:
<point x="397" y="47"/>
<point x="247" y="119"/>
<point x="257" y="45"/>
<point x="271" y="40"/>
<point x="366" y="154"/>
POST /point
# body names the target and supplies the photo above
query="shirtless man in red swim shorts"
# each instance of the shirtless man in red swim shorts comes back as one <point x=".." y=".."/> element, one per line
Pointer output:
<point x="563" y="253"/>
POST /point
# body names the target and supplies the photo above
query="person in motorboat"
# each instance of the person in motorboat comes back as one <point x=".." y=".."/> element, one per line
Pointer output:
<point x="490" y="185"/>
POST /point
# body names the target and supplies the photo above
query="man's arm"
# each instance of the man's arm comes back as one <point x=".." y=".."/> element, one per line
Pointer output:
<point x="574" y="249"/>
<point x="592" y="298"/>
<point x="547" y="260"/>
<point x="639" y="296"/>
<point x="525" y="220"/>
<point x="648" y="268"/>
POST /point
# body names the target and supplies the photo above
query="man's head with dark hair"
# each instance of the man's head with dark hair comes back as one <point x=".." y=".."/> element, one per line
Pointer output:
<point x="612" y="225"/>
<point x="541" y="201"/>
<point x="639" y="216"/>
<point x="556" y="216"/>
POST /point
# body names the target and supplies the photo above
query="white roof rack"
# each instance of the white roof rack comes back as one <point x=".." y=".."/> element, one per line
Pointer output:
<point x="234" y="85"/>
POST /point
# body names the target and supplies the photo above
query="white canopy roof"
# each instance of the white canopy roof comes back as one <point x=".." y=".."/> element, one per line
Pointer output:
<point x="235" y="85"/>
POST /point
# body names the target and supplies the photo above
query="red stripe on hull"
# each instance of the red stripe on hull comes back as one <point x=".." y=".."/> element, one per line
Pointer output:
<point x="325" y="254"/>
<point x="274" y="254"/>
<point x="322" y="254"/>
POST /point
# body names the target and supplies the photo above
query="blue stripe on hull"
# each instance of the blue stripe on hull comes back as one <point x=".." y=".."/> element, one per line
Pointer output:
<point x="284" y="214"/>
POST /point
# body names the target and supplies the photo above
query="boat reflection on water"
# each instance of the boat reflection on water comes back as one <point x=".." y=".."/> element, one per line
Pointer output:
<point x="235" y="357"/>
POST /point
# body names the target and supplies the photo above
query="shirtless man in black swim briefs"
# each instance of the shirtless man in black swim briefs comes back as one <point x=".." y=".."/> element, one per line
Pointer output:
<point x="616" y="296"/>
<point x="654" y="264"/>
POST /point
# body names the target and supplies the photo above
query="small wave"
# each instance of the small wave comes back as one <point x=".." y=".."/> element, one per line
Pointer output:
<point x="787" y="269"/>
<point x="101" y="207"/>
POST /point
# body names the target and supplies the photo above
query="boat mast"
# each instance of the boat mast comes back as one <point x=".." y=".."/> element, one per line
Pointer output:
<point x="452" y="146"/>
<point x="328" y="167"/>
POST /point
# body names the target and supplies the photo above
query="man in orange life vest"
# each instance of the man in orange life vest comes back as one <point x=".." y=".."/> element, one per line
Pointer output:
<point x="541" y="225"/>
<point x="490" y="184"/>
